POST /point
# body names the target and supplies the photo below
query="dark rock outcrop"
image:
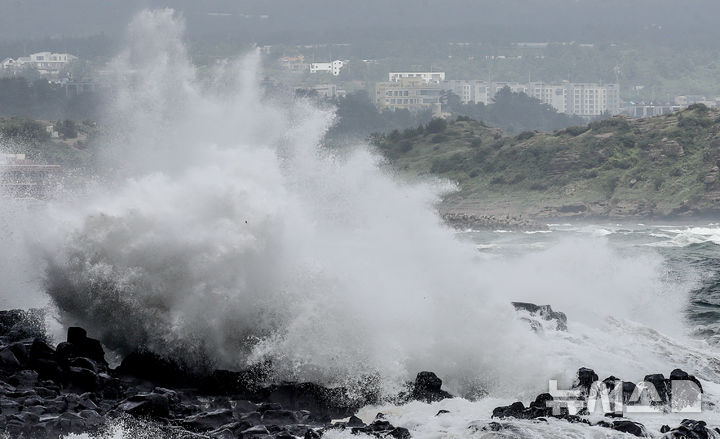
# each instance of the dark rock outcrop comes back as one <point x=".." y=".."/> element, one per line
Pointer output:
<point x="537" y="314"/>
<point x="690" y="429"/>
<point x="428" y="388"/>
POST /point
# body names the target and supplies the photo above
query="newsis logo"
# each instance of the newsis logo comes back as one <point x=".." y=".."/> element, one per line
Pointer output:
<point x="680" y="396"/>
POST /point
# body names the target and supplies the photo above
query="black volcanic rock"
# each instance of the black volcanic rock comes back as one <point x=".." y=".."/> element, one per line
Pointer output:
<point x="80" y="345"/>
<point x="146" y="404"/>
<point x="152" y="367"/>
<point x="689" y="429"/>
<point x="428" y="388"/>
<point x="585" y="378"/>
<point x="681" y="375"/>
<point x="538" y="313"/>
<point x="662" y="386"/>
<point x="629" y="427"/>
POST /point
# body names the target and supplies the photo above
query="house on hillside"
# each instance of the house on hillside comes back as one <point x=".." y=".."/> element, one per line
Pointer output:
<point x="44" y="62"/>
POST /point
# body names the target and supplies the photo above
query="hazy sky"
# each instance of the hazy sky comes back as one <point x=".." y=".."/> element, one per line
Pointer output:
<point x="339" y="20"/>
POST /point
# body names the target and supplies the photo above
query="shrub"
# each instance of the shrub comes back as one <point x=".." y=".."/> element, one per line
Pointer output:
<point x="436" y="125"/>
<point x="525" y="135"/>
<point x="438" y="138"/>
<point x="477" y="142"/>
<point x="576" y="131"/>
<point x="448" y="164"/>
<point x="404" y="146"/>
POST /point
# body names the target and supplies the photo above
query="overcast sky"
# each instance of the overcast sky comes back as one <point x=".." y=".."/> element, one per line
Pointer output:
<point x="271" y="21"/>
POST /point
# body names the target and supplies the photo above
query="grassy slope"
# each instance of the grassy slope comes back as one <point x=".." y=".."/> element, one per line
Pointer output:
<point x="618" y="167"/>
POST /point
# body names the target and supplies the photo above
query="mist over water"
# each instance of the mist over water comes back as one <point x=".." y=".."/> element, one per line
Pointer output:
<point x="221" y="234"/>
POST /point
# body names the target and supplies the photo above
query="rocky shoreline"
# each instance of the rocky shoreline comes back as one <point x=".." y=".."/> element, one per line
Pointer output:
<point x="46" y="392"/>
<point x="468" y="221"/>
<point x="49" y="391"/>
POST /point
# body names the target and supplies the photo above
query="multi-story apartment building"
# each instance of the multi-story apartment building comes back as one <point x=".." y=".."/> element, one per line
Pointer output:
<point x="593" y="99"/>
<point x="427" y="77"/>
<point x="582" y="99"/>
<point x="412" y="93"/>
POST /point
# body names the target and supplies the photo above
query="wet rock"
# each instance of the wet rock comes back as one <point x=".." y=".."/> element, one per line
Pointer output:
<point x="322" y="402"/>
<point x="585" y="378"/>
<point x="42" y="358"/>
<point x="24" y="379"/>
<point x="8" y="361"/>
<point x="229" y="431"/>
<point x="540" y="315"/>
<point x="428" y="388"/>
<point x="442" y="412"/>
<point x="628" y="427"/>
<point x="83" y="379"/>
<point x="208" y="420"/>
<point x="243" y="406"/>
<point x="681" y="375"/>
<point x="354" y="421"/>
<point x="258" y="430"/>
<point x="661" y="386"/>
<point x="152" y="404"/>
<point x="514" y="410"/>
<point x="628" y="390"/>
<point x="280" y="417"/>
<point x="83" y="346"/>
<point x="689" y="429"/>
<point x="69" y="423"/>
<point x="254" y="418"/>
<point x="381" y="428"/>
<point x="152" y="367"/>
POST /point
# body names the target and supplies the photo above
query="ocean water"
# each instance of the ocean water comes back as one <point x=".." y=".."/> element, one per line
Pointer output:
<point x="219" y="232"/>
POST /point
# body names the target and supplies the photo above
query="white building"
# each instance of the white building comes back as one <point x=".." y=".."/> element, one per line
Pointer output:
<point x="329" y="67"/>
<point x="412" y="94"/>
<point x="43" y="62"/>
<point x="427" y="77"/>
<point x="582" y="99"/>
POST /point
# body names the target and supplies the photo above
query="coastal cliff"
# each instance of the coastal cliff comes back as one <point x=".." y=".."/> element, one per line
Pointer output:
<point x="661" y="167"/>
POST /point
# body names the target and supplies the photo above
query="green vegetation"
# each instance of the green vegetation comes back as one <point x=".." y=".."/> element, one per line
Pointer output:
<point x="71" y="148"/>
<point x="661" y="166"/>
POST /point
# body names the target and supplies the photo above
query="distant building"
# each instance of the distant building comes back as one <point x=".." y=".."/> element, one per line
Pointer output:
<point x="412" y="93"/>
<point x="650" y="109"/>
<point x="294" y="63"/>
<point x="328" y="91"/>
<point x="333" y="67"/>
<point x="696" y="99"/>
<point x="427" y="77"/>
<point x="43" y="62"/>
<point x="582" y="99"/>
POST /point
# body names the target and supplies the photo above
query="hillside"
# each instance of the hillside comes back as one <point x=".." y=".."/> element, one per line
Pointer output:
<point x="665" y="166"/>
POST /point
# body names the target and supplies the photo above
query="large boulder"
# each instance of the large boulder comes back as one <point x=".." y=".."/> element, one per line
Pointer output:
<point x="78" y="344"/>
<point x="541" y="317"/>
<point x="146" y="404"/>
<point x="690" y="429"/>
<point x="152" y="367"/>
<point x="428" y="387"/>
